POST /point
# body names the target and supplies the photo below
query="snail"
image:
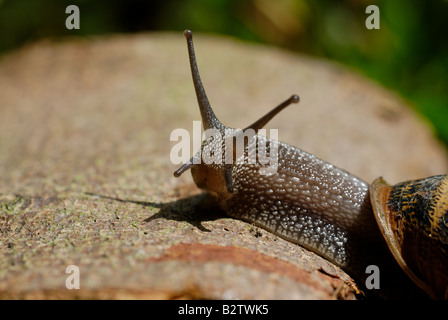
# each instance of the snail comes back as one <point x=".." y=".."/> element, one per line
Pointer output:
<point x="323" y="208"/>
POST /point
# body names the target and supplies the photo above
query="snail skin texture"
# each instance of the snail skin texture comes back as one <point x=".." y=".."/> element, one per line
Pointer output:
<point x="313" y="203"/>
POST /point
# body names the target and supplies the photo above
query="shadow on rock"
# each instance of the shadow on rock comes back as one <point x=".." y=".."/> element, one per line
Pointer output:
<point x="193" y="210"/>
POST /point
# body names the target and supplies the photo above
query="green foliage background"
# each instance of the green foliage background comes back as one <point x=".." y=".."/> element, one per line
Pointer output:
<point x="408" y="54"/>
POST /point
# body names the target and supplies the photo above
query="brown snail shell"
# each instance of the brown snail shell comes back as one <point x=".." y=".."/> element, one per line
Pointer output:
<point x="413" y="218"/>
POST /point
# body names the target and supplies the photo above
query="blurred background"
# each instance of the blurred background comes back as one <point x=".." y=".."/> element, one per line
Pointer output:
<point x="408" y="54"/>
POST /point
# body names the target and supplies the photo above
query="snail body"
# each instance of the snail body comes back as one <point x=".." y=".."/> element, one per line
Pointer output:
<point x="314" y="203"/>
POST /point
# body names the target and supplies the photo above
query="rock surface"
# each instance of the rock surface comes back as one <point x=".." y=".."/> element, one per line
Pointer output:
<point x="86" y="177"/>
